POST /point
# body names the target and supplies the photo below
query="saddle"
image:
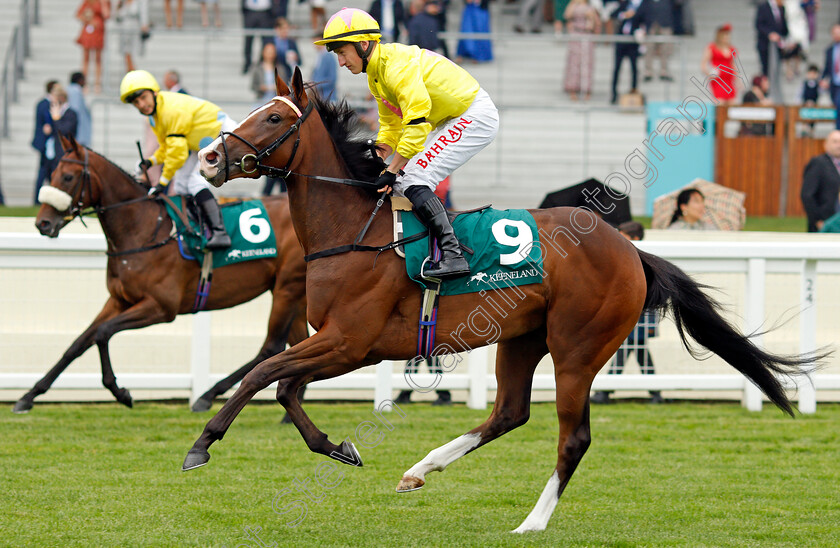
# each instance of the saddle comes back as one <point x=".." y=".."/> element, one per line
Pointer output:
<point x="400" y="204"/>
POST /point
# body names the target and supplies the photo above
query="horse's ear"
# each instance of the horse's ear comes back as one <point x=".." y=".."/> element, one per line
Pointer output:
<point x="67" y="143"/>
<point x="298" y="88"/>
<point x="282" y="88"/>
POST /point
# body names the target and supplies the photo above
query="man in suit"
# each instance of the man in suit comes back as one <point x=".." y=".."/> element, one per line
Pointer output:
<point x="172" y="82"/>
<point x="390" y="14"/>
<point x="771" y="29"/>
<point x="831" y="71"/>
<point x="43" y="129"/>
<point x="630" y="17"/>
<point x="821" y="184"/>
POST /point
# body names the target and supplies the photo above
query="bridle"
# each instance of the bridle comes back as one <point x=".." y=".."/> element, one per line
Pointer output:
<point x="259" y="155"/>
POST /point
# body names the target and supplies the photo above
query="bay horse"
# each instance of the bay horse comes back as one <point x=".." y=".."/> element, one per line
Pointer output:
<point x="365" y="308"/>
<point x="148" y="280"/>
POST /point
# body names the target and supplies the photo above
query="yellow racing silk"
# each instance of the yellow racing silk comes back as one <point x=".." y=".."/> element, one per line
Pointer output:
<point x="182" y="123"/>
<point x="415" y="90"/>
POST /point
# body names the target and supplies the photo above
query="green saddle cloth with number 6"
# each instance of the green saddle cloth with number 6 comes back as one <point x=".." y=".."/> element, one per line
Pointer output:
<point x="504" y="244"/>
<point x="251" y="234"/>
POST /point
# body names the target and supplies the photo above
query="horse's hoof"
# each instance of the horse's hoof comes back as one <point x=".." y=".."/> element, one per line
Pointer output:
<point x="124" y="397"/>
<point x="201" y="405"/>
<point x="22" y="406"/>
<point x="347" y="454"/>
<point x="195" y="459"/>
<point x="410" y="483"/>
<point x="286" y="419"/>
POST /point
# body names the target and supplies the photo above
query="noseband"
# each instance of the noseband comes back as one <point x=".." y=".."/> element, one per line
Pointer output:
<point x="259" y="155"/>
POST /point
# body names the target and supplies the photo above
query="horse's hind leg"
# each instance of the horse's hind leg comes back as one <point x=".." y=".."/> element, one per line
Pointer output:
<point x="576" y="361"/>
<point x="79" y="346"/>
<point x="516" y="360"/>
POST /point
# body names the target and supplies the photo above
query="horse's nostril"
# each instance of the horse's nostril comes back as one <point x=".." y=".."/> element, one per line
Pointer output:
<point x="211" y="158"/>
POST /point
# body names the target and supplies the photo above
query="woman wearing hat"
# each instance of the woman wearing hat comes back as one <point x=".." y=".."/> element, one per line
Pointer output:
<point x="433" y="117"/>
<point x="718" y="61"/>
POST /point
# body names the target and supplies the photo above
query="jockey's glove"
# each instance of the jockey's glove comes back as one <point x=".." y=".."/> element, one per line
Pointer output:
<point x="157" y="189"/>
<point x="387" y="178"/>
<point x="141" y="167"/>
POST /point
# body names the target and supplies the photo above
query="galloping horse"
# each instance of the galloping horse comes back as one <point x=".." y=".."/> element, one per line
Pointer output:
<point x="594" y="288"/>
<point x="150" y="283"/>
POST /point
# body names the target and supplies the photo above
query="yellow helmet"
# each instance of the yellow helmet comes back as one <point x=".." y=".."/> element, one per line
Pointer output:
<point x="137" y="81"/>
<point x="350" y="25"/>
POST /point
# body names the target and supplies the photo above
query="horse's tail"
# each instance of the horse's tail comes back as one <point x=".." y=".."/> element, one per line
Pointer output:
<point x="698" y="315"/>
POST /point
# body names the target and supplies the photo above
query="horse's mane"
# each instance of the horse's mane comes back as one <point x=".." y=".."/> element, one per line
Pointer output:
<point x="112" y="164"/>
<point x="342" y="123"/>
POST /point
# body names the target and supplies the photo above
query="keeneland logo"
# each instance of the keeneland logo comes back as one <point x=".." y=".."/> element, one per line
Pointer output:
<point x="480" y="277"/>
<point x="234" y="254"/>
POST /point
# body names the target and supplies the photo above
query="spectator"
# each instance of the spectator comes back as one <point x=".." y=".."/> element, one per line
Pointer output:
<point x="132" y="18"/>
<point x="811" y="7"/>
<point x="531" y="15"/>
<point x="796" y="46"/>
<point x="424" y="25"/>
<point x="172" y="82"/>
<point x="688" y="215"/>
<point x="179" y="15"/>
<point x="771" y="29"/>
<point x="288" y="56"/>
<point x="444" y="7"/>
<point x="93" y="14"/>
<point x="580" y="18"/>
<point x="325" y="74"/>
<point x="256" y="14"/>
<point x="412" y="366"/>
<point x="77" y="102"/>
<point x="390" y="14"/>
<point x="205" y="17"/>
<point x="43" y="129"/>
<point x="317" y="15"/>
<point x="63" y="121"/>
<point x="821" y="184"/>
<point x="475" y="19"/>
<point x="630" y="21"/>
<point x="659" y="17"/>
<point x="262" y="75"/>
<point x="811" y="87"/>
<point x="757" y="95"/>
<point x="831" y="71"/>
<point x="718" y="62"/>
<point x="560" y="17"/>
<point x="637" y="341"/>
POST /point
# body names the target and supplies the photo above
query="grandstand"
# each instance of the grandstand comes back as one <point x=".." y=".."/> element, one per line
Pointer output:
<point x="546" y="141"/>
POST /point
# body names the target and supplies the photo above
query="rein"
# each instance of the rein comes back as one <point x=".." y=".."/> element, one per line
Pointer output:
<point x="77" y="208"/>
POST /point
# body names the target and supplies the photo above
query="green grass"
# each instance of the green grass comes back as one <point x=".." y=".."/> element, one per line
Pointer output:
<point x="8" y="211"/>
<point x="683" y="474"/>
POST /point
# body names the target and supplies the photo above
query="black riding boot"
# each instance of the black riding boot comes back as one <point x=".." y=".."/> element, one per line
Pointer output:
<point x="219" y="238"/>
<point x="430" y="209"/>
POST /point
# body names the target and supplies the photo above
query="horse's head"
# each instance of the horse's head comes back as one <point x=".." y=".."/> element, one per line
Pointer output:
<point x="69" y="191"/>
<point x="265" y="141"/>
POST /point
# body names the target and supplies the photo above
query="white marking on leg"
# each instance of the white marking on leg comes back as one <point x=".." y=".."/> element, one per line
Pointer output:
<point x="438" y="459"/>
<point x="539" y="516"/>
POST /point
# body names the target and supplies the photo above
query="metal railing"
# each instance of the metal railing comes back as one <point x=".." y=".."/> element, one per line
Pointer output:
<point x="17" y="52"/>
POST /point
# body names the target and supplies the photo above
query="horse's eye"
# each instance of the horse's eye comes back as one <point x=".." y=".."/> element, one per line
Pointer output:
<point x="274" y="118"/>
<point x="68" y="177"/>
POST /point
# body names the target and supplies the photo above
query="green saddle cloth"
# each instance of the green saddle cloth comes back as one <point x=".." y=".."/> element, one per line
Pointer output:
<point x="247" y="223"/>
<point x="503" y="244"/>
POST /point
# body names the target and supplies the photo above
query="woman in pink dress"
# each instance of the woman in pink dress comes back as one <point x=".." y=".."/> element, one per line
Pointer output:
<point x="581" y="18"/>
<point x="92" y="14"/>
<point x="719" y="61"/>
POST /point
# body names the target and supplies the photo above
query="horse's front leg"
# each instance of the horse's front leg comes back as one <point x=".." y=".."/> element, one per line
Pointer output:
<point x="324" y="350"/>
<point x="79" y="346"/>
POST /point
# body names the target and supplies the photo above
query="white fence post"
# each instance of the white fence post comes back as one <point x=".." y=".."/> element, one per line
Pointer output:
<point x="477" y="370"/>
<point x="808" y="334"/>
<point x="200" y="356"/>
<point x="754" y="304"/>
<point x="384" y="383"/>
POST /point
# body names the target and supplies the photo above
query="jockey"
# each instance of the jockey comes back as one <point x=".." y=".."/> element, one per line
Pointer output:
<point x="433" y="117"/>
<point x="183" y="125"/>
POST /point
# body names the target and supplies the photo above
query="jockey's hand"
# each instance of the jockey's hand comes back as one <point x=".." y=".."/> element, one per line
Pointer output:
<point x="386" y="181"/>
<point x="157" y="189"/>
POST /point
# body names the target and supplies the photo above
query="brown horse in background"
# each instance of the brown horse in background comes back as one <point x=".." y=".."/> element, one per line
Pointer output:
<point x="148" y="280"/>
<point x="594" y="288"/>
